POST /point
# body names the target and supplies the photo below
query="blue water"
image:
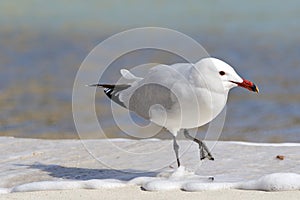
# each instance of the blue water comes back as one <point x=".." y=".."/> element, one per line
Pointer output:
<point x="44" y="43"/>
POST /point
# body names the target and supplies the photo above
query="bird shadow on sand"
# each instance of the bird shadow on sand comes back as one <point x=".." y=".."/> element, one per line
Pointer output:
<point x="74" y="173"/>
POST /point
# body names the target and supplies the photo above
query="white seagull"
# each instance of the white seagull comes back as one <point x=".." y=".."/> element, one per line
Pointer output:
<point x="179" y="96"/>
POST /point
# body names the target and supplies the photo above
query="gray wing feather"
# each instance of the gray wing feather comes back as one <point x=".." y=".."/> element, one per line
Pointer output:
<point x="148" y="95"/>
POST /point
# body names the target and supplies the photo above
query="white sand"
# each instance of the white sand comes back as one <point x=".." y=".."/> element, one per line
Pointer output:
<point x="44" y="165"/>
<point x="135" y="193"/>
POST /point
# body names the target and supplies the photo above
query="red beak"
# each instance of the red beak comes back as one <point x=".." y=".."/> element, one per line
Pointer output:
<point x="248" y="85"/>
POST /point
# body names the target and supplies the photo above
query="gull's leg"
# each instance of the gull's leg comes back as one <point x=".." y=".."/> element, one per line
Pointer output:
<point x="202" y="146"/>
<point x="176" y="147"/>
<point x="201" y="149"/>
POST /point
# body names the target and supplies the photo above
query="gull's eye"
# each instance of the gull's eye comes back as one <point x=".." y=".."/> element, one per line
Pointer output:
<point x="222" y="73"/>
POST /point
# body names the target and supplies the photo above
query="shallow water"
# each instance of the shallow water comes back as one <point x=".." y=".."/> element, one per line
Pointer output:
<point x="44" y="45"/>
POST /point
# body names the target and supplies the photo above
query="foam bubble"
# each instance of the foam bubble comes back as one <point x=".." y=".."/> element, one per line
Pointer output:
<point x="66" y="185"/>
<point x="273" y="182"/>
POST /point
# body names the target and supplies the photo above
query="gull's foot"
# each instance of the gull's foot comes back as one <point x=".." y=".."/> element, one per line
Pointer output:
<point x="208" y="157"/>
<point x="204" y="153"/>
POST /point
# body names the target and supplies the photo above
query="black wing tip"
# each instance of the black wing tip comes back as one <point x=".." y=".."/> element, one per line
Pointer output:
<point x="112" y="91"/>
<point x="114" y="87"/>
<point x="108" y="86"/>
<point x="94" y="85"/>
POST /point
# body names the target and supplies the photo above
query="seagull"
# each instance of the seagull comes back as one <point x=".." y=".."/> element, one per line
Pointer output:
<point x="180" y="96"/>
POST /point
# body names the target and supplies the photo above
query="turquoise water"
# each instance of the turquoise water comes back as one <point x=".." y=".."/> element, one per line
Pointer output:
<point x="44" y="43"/>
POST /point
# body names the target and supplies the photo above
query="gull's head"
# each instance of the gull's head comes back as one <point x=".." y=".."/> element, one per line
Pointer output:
<point x="215" y="71"/>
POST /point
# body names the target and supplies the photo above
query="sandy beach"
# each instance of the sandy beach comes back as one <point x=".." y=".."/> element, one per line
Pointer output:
<point x="136" y="193"/>
<point x="93" y="169"/>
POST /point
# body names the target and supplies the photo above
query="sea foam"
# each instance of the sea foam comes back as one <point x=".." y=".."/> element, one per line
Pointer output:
<point x="180" y="179"/>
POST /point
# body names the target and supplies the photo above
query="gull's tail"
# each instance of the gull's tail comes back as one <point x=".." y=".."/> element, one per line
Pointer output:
<point x="112" y="91"/>
<point x="129" y="76"/>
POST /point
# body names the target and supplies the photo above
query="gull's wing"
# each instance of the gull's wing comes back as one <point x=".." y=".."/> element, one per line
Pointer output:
<point x="161" y="86"/>
<point x="158" y="87"/>
<point x="147" y="95"/>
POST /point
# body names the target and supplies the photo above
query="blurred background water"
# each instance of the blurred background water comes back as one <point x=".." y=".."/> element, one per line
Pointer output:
<point x="44" y="42"/>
